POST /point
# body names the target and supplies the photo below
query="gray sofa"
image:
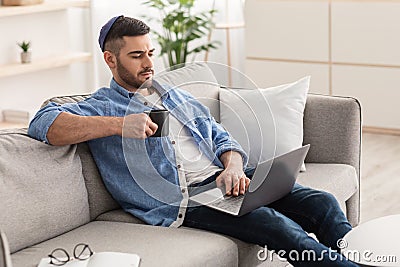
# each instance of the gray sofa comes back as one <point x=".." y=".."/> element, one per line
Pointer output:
<point x="54" y="197"/>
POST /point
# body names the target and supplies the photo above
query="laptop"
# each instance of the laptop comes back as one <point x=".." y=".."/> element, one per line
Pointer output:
<point x="272" y="180"/>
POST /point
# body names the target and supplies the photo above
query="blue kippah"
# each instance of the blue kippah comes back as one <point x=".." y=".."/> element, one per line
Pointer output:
<point x="105" y="29"/>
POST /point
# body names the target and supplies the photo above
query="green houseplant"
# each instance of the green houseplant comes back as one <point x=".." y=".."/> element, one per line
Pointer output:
<point x="180" y="27"/>
<point x="25" y="54"/>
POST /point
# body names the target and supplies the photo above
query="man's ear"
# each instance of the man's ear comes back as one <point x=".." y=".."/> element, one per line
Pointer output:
<point x="110" y="59"/>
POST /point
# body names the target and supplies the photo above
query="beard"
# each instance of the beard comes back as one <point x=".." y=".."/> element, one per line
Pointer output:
<point x="130" y="79"/>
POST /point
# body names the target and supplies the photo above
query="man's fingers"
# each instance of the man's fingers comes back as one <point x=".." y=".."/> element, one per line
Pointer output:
<point x="247" y="183"/>
<point x="232" y="183"/>
<point x="236" y="185"/>
<point x="228" y="185"/>
<point x="148" y="132"/>
<point x="236" y="188"/>
<point x="242" y="185"/>
<point x="150" y="127"/>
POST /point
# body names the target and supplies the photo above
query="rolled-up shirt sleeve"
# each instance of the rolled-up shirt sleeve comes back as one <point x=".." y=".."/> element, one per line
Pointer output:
<point x="44" y="118"/>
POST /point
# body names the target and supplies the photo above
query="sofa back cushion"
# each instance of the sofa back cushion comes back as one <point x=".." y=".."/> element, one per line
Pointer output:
<point x="42" y="190"/>
<point x="100" y="200"/>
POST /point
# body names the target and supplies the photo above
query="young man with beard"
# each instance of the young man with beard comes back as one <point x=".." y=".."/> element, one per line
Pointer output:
<point x="198" y="151"/>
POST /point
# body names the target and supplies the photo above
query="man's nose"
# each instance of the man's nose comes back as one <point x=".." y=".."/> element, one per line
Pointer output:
<point x="148" y="62"/>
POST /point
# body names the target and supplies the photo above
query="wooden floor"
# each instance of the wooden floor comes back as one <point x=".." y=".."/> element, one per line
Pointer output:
<point x="380" y="176"/>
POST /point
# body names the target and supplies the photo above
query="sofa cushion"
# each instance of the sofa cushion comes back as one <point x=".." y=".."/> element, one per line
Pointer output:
<point x="119" y="215"/>
<point x="157" y="246"/>
<point x="42" y="191"/>
<point x="338" y="179"/>
<point x="247" y="252"/>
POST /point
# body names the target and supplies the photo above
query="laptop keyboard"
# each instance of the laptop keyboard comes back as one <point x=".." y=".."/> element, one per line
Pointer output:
<point x="229" y="203"/>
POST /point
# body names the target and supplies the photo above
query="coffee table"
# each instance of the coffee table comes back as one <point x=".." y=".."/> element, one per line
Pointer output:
<point x="374" y="243"/>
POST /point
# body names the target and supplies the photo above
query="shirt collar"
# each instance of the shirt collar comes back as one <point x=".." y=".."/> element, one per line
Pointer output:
<point x="163" y="90"/>
<point x="115" y="86"/>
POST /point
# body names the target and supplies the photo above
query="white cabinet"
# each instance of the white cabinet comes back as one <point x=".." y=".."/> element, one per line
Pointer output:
<point x="366" y="32"/>
<point x="349" y="47"/>
<point x="59" y="31"/>
<point x="292" y="30"/>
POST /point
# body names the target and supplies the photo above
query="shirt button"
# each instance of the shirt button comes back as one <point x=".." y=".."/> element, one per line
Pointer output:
<point x="145" y="103"/>
<point x="183" y="190"/>
<point x="173" y="142"/>
<point x="179" y="166"/>
<point x="180" y="215"/>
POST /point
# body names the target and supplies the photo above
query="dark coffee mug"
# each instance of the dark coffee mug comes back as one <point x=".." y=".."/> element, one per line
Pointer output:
<point x="161" y="118"/>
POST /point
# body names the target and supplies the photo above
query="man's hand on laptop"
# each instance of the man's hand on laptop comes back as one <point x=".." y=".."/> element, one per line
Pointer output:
<point x="233" y="182"/>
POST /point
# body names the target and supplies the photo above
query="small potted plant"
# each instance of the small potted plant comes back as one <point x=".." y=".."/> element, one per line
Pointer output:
<point x="25" y="54"/>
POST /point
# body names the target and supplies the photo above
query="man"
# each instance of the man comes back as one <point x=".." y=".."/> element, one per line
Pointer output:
<point x="197" y="151"/>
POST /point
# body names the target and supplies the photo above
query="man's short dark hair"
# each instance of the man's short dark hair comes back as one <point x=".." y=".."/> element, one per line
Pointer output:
<point x="123" y="26"/>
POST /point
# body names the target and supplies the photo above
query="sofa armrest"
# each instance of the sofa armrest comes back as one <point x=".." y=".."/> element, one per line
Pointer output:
<point x="332" y="125"/>
<point x="5" y="258"/>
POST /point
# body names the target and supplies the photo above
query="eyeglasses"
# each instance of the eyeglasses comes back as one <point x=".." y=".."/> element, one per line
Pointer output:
<point x="60" y="256"/>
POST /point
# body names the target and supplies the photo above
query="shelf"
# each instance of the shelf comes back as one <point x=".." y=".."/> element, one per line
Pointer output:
<point x="48" y="5"/>
<point x="230" y="25"/>
<point x="43" y="64"/>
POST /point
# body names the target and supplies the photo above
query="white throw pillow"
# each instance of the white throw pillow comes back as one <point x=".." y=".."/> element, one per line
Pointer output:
<point x="266" y="122"/>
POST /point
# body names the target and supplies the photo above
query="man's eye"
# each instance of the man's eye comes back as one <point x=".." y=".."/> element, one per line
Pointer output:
<point x="150" y="55"/>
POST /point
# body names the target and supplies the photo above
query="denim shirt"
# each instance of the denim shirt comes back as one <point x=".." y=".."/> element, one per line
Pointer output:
<point x="142" y="174"/>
